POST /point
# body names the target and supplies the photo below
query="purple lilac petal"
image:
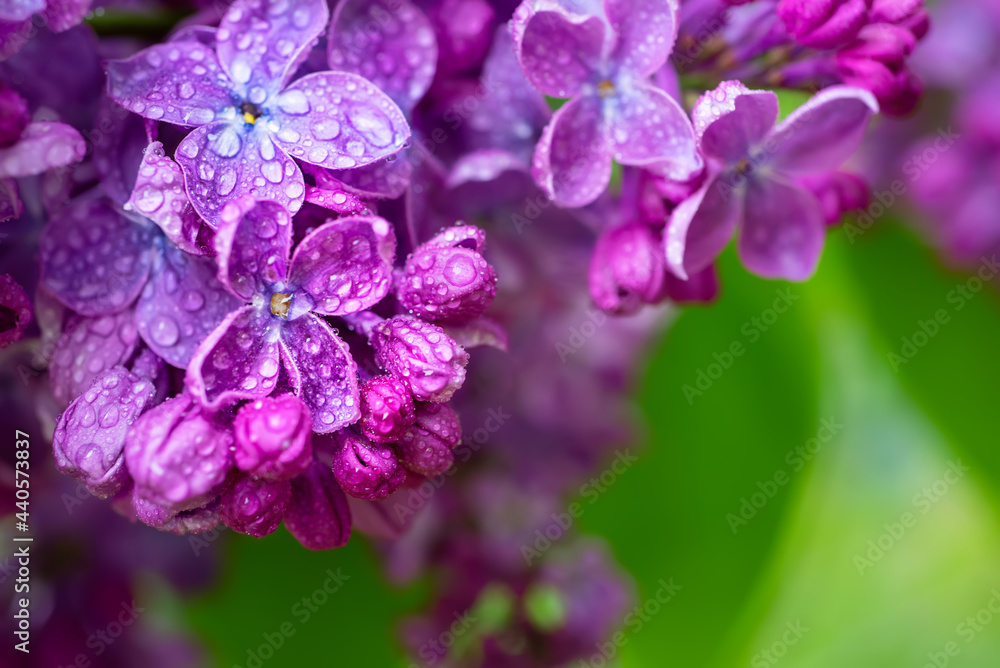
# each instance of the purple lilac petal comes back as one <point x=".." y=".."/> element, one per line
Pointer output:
<point x="338" y="120"/>
<point x="627" y="269"/>
<point x="178" y="455"/>
<point x="62" y="15"/>
<point x="323" y="372"/>
<point x="149" y="366"/>
<point x="94" y="259"/>
<point x="398" y="57"/>
<point x="823" y="132"/>
<point x="318" y="515"/>
<point x="160" y="196"/>
<point x="482" y="331"/>
<point x="15" y="311"/>
<point x="700" y="288"/>
<point x="274" y="437"/>
<point x="783" y="230"/>
<point x="386" y="409"/>
<point x="198" y="520"/>
<point x="194" y="33"/>
<point x="365" y="470"/>
<point x="19" y="10"/>
<point x="181" y="304"/>
<point x="42" y="146"/>
<point x="463" y="32"/>
<point x="732" y="119"/>
<point x="255" y="507"/>
<point x="421" y="355"/>
<point x="701" y="226"/>
<point x="345" y="265"/>
<point x="387" y="178"/>
<point x="648" y="127"/>
<point x="341" y="201"/>
<point x="646" y="31"/>
<point x="426" y="448"/>
<point x="252" y="242"/>
<point x="560" y="53"/>
<point x="238" y="360"/>
<point x="572" y="161"/>
<point x="87" y="349"/>
<point x="14" y="116"/>
<point x="826" y="24"/>
<point x="261" y="42"/>
<point x="89" y="440"/>
<point x="119" y="140"/>
<point x="222" y="162"/>
<point x="179" y="83"/>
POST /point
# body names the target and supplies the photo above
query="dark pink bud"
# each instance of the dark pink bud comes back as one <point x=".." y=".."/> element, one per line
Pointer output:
<point x="274" y="437"/>
<point x="627" y="269"/>
<point x="426" y="448"/>
<point x="14" y="116"/>
<point x="823" y="24"/>
<point x="178" y="455"/>
<point x="447" y="279"/>
<point x="318" y="515"/>
<point x="196" y="520"/>
<point x="428" y="362"/>
<point x="364" y="469"/>
<point x="89" y="440"/>
<point x="255" y="507"/>
<point x="386" y="409"/>
<point x="15" y="311"/>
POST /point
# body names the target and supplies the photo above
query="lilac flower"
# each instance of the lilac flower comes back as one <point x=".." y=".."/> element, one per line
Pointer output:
<point x="627" y="269"/>
<point x="89" y="440"/>
<point x="428" y="361"/>
<point x="255" y="507"/>
<point x="317" y="514"/>
<point x="250" y="120"/>
<point x="752" y="170"/>
<point x="15" y="311"/>
<point x="426" y="447"/>
<point x="601" y="61"/>
<point x="826" y="24"/>
<point x="273" y="437"/>
<point x="342" y="267"/>
<point x="386" y="409"/>
<point x="447" y="281"/>
<point x="178" y="455"/>
<point x="365" y="470"/>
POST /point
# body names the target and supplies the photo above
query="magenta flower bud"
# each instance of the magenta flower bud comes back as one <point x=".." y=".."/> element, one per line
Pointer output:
<point x="823" y="24"/>
<point x="318" y="515"/>
<point x="274" y="437"/>
<point x="838" y="193"/>
<point x="255" y="507"/>
<point x="15" y="311"/>
<point x="877" y="61"/>
<point x="429" y="362"/>
<point x="447" y="279"/>
<point x="178" y="455"/>
<point x="14" y="116"/>
<point x="426" y="448"/>
<point x="386" y="409"/>
<point x="366" y="470"/>
<point x="89" y="439"/>
<point x="196" y="520"/>
<point x="627" y="269"/>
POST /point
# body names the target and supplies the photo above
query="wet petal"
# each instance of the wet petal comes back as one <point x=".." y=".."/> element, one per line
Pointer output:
<point x="178" y="82"/>
<point x="42" y="146"/>
<point x="732" y="119"/>
<point x="322" y="372"/>
<point x="318" y="515"/>
<point x="387" y="178"/>
<point x="118" y="152"/>
<point x="646" y="31"/>
<point x="261" y="42"/>
<point x="19" y="10"/>
<point x="181" y="305"/>
<point x="62" y="15"/>
<point x="783" y="230"/>
<point x="650" y="129"/>
<point x="345" y="265"/>
<point x="389" y="42"/>
<point x="338" y="120"/>
<point x="222" y="162"/>
<point x="89" y="439"/>
<point x="821" y="134"/>
<point x="572" y="161"/>
<point x="252" y="243"/>
<point x="701" y="226"/>
<point x="88" y="348"/>
<point x="238" y="360"/>
<point x="336" y="198"/>
<point x="160" y="196"/>
<point x="559" y="51"/>
<point x="94" y="259"/>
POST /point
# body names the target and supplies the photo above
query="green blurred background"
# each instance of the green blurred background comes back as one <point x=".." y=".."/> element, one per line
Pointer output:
<point x="797" y="581"/>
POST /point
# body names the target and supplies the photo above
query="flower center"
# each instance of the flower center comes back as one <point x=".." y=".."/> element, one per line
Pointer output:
<point x="605" y="88"/>
<point x="744" y="167"/>
<point x="251" y="112"/>
<point x="279" y="304"/>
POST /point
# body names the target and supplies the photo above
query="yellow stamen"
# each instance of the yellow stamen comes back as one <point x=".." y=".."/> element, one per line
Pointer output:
<point x="249" y="118"/>
<point x="279" y="304"/>
<point x="605" y="88"/>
